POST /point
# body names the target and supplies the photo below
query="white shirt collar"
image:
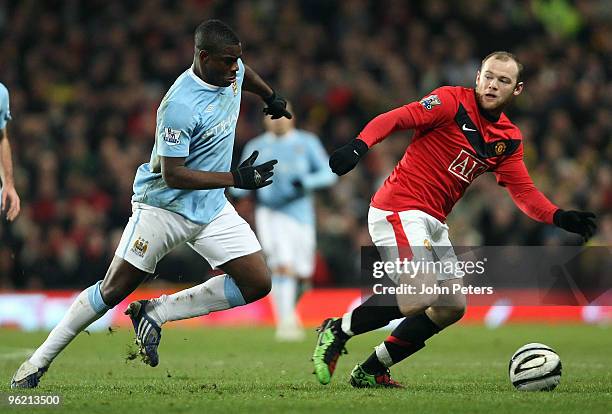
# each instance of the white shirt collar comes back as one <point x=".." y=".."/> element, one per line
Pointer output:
<point x="201" y="82"/>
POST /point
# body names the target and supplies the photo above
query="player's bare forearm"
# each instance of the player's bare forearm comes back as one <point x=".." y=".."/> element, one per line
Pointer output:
<point x="6" y="163"/>
<point x="187" y="179"/>
<point x="177" y="175"/>
<point x="255" y="84"/>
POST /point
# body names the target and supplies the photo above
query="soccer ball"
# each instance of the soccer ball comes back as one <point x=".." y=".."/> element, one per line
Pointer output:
<point x="535" y="367"/>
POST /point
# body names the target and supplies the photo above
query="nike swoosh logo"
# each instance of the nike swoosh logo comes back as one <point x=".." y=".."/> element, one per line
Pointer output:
<point x="356" y="153"/>
<point x="465" y="128"/>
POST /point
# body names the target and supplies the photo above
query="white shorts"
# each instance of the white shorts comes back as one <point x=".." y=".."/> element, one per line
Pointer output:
<point x="422" y="237"/>
<point x="286" y="242"/>
<point x="153" y="232"/>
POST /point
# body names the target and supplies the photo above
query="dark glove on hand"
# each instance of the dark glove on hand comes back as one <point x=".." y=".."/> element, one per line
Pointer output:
<point x="277" y="106"/>
<point x="580" y="222"/>
<point x="248" y="177"/>
<point x="346" y="157"/>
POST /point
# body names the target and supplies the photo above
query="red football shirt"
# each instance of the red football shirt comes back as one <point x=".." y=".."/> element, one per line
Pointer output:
<point x="454" y="142"/>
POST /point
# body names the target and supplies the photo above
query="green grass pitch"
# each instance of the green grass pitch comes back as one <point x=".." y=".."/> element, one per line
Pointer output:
<point x="234" y="370"/>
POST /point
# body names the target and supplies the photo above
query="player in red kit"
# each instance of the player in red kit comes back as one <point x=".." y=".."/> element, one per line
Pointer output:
<point x="460" y="133"/>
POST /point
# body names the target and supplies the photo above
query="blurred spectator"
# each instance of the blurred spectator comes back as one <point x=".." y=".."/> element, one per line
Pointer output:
<point x="86" y="77"/>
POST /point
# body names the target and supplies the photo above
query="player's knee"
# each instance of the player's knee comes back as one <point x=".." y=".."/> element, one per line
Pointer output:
<point x="264" y="286"/>
<point x="455" y="313"/>
<point x="412" y="305"/>
<point x="457" y="308"/>
<point x="256" y="289"/>
<point x="444" y="316"/>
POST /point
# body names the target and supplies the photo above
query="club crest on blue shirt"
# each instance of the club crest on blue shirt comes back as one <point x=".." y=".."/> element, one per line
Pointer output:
<point x="430" y="101"/>
<point x="172" y="136"/>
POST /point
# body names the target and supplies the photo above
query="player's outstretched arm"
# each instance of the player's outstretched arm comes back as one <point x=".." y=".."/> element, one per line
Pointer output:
<point x="10" y="200"/>
<point x="431" y="111"/>
<point x="177" y="175"/>
<point x="345" y="158"/>
<point x="246" y="176"/>
<point x="514" y="176"/>
<point x="276" y="104"/>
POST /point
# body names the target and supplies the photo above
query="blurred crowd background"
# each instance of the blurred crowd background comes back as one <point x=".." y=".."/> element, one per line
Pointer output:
<point x="85" y="79"/>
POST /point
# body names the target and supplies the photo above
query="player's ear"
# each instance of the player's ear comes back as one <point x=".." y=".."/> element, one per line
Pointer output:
<point x="518" y="89"/>
<point x="477" y="77"/>
<point x="203" y="56"/>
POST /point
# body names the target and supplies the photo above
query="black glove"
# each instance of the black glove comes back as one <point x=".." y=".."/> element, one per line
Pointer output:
<point x="580" y="222"/>
<point x="346" y="157"/>
<point x="251" y="178"/>
<point x="277" y="106"/>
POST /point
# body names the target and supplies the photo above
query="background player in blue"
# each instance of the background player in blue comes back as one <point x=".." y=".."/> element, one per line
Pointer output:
<point x="285" y="215"/>
<point x="179" y="198"/>
<point x="9" y="202"/>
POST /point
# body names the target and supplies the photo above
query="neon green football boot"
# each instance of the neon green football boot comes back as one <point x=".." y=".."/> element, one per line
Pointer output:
<point x="330" y="345"/>
<point x="361" y="379"/>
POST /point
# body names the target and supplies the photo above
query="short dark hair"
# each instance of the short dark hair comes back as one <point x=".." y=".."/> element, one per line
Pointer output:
<point x="505" y="56"/>
<point x="213" y="35"/>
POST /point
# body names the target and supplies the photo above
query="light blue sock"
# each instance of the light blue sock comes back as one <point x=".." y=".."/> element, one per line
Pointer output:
<point x="86" y="309"/>
<point x="232" y="293"/>
<point x="216" y="294"/>
<point x="95" y="298"/>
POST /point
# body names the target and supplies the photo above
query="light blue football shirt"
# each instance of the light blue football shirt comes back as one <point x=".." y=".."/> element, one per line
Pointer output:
<point x="5" y="115"/>
<point x="195" y="120"/>
<point x="300" y="157"/>
<point x="5" y="111"/>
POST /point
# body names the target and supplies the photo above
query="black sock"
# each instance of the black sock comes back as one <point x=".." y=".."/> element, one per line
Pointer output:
<point x="408" y="338"/>
<point x="373" y="366"/>
<point x="372" y="314"/>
